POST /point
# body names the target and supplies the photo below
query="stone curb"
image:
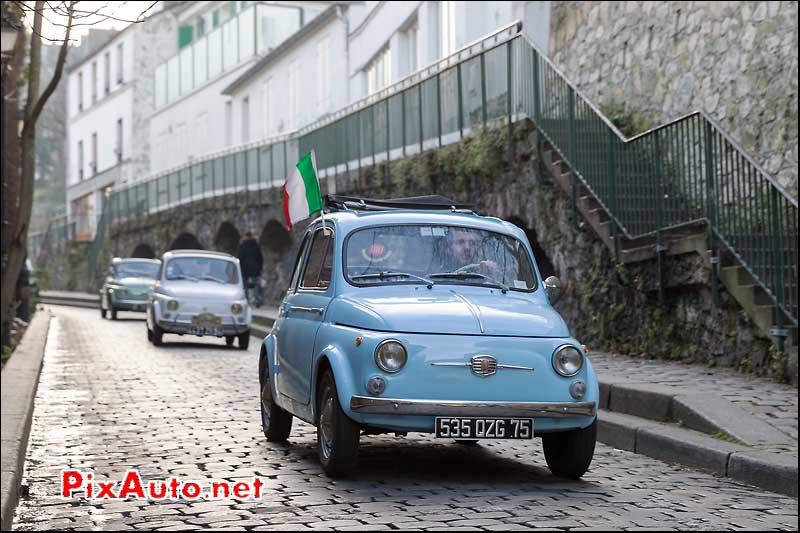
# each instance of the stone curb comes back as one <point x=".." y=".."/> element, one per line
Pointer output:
<point x="776" y="472"/>
<point x="20" y="379"/>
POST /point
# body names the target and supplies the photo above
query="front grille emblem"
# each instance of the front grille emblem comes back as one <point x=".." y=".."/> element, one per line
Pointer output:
<point x="483" y="365"/>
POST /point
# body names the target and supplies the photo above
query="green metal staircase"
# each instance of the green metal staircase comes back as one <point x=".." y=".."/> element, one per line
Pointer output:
<point x="680" y="187"/>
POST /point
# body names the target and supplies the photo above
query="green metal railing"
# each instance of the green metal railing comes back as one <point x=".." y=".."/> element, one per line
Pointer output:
<point x="684" y="172"/>
<point x="680" y="173"/>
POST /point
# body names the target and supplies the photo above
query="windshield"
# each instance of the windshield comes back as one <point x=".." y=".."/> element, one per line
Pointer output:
<point x="439" y="254"/>
<point x="136" y="269"/>
<point x="202" y="269"/>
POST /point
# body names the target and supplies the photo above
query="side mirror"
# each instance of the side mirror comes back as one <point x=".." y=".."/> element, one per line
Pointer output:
<point x="552" y="286"/>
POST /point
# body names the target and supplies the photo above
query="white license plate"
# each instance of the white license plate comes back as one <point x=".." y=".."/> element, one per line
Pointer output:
<point x="484" y="428"/>
<point x="201" y="330"/>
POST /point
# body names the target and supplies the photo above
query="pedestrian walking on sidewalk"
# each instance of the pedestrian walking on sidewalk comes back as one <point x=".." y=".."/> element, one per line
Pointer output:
<point x="252" y="263"/>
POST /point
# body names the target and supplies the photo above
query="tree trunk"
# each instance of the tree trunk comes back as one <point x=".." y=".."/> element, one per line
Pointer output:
<point x="21" y="204"/>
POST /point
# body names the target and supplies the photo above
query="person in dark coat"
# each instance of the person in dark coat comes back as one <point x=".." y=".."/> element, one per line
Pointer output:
<point x="252" y="263"/>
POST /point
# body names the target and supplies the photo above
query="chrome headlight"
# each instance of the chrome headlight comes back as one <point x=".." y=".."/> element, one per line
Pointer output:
<point x="172" y="305"/>
<point x="567" y="360"/>
<point x="390" y="356"/>
<point x="237" y="309"/>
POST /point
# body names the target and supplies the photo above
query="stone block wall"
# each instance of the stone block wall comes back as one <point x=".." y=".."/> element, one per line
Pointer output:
<point x="735" y="60"/>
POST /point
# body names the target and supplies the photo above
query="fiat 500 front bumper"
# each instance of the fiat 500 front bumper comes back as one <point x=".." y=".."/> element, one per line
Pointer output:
<point x="394" y="406"/>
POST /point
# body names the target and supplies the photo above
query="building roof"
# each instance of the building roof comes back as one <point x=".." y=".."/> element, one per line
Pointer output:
<point x="282" y="48"/>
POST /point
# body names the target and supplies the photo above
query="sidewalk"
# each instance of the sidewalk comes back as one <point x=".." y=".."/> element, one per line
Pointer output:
<point x="713" y="419"/>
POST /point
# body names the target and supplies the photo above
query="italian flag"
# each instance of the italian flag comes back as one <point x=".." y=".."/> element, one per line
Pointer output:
<point x="301" y="196"/>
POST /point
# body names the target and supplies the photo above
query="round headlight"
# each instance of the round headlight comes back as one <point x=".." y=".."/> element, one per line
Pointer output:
<point x="172" y="305"/>
<point x="567" y="360"/>
<point x="237" y="309"/>
<point x="390" y="356"/>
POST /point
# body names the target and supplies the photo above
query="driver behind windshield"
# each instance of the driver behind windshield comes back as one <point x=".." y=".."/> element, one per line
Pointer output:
<point x="462" y="252"/>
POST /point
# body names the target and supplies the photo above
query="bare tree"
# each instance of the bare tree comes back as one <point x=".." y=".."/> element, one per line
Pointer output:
<point x="18" y="201"/>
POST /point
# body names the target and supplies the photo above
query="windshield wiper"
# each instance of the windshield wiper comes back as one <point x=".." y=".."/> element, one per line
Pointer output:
<point x="181" y="276"/>
<point x="464" y="275"/>
<point x="212" y="278"/>
<point x="383" y="275"/>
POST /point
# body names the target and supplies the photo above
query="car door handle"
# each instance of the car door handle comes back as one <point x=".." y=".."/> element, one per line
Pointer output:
<point x="317" y="310"/>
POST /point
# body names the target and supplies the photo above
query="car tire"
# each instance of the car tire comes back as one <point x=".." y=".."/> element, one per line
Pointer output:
<point x="569" y="453"/>
<point x="102" y="312"/>
<point x="158" y="335"/>
<point x="149" y="335"/>
<point x="229" y="340"/>
<point x="113" y="314"/>
<point x="337" y="435"/>
<point x="244" y="340"/>
<point x="275" y="422"/>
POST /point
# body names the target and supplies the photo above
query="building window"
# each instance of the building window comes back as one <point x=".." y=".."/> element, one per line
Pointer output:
<point x="267" y="112"/>
<point x="94" y="81"/>
<point x="447" y="22"/>
<point x="215" y="18"/>
<point x="118" y="149"/>
<point x="80" y="160"/>
<point x="228" y="122"/>
<point x="294" y="89"/>
<point x="93" y="162"/>
<point x="324" y="72"/>
<point x="80" y="91"/>
<point x="107" y="72"/>
<point x="379" y="71"/>
<point x="246" y="119"/>
<point x="412" y="47"/>
<point x="201" y="27"/>
<point x="120" y="73"/>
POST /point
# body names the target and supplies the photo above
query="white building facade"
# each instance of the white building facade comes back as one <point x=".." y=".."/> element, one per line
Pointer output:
<point x="353" y="50"/>
<point x="219" y="41"/>
<point x="108" y="93"/>
<point x="296" y="84"/>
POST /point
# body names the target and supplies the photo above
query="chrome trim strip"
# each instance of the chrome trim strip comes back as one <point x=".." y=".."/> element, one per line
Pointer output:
<point x="469" y="365"/>
<point x="317" y="310"/>
<point x="472" y="308"/>
<point x="391" y="406"/>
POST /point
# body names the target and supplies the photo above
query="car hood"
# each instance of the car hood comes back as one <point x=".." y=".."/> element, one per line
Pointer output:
<point x="448" y="310"/>
<point x="202" y="290"/>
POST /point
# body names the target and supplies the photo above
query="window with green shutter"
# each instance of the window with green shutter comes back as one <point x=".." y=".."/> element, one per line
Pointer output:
<point x="184" y="35"/>
<point x="215" y="18"/>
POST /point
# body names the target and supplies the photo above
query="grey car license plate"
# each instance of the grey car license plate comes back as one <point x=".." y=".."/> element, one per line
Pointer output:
<point x="201" y="330"/>
<point x="484" y="428"/>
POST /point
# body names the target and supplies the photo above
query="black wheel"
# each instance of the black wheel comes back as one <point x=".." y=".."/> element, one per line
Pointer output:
<point x="467" y="442"/>
<point x="229" y="340"/>
<point x="569" y="453"/>
<point x="337" y="434"/>
<point x="275" y="422"/>
<point x="149" y="335"/>
<point x="102" y="312"/>
<point x="113" y="314"/>
<point x="158" y="335"/>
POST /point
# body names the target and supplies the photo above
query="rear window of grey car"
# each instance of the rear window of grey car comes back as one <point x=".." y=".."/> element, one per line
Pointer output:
<point x="442" y="253"/>
<point x="202" y="269"/>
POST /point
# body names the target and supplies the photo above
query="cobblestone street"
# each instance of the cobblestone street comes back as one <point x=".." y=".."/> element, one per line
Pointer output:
<point x="109" y="401"/>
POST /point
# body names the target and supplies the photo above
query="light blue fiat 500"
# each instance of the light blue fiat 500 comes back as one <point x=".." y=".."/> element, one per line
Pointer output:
<point x="413" y="315"/>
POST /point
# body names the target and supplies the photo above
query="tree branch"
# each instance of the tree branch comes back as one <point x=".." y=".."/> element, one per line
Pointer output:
<point x="30" y="118"/>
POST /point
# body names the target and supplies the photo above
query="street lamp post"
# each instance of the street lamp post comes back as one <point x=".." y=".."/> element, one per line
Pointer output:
<point x="9" y="27"/>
